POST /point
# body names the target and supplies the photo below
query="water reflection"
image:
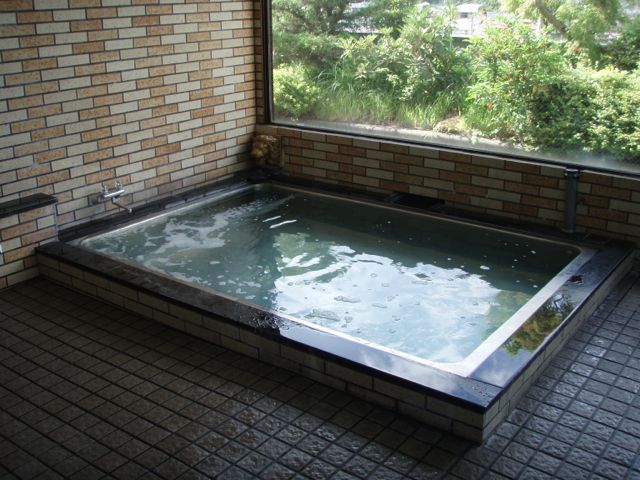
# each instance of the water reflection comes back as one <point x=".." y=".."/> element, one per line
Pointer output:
<point x="538" y="327"/>
<point x="413" y="308"/>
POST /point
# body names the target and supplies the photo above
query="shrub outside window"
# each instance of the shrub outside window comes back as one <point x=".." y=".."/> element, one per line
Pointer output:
<point x="557" y="80"/>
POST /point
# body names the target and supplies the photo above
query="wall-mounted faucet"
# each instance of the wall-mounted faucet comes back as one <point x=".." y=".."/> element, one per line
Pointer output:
<point x="111" y="194"/>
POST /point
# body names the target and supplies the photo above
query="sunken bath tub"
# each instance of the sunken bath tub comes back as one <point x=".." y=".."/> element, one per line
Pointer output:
<point x="446" y="321"/>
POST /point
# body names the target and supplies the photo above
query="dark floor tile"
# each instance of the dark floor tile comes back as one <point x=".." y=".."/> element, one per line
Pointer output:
<point x="359" y="466"/>
<point x="275" y="471"/>
<point x="295" y="459"/>
<point x="128" y="398"/>
<point x="213" y="466"/>
<point x="232" y="451"/>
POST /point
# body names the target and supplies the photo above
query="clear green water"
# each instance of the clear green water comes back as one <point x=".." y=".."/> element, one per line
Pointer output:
<point x="422" y="286"/>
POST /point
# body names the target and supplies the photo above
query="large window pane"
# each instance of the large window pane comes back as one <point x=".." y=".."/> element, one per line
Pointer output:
<point x="556" y="79"/>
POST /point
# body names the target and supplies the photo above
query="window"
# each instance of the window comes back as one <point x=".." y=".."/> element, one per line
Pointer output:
<point x="557" y="80"/>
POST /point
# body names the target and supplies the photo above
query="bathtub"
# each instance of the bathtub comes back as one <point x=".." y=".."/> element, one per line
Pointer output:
<point x="444" y="320"/>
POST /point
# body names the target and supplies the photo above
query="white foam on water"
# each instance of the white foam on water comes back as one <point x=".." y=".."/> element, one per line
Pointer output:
<point x="378" y="288"/>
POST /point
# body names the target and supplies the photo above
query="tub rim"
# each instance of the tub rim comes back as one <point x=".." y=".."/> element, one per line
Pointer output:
<point x="479" y="391"/>
<point x="463" y="367"/>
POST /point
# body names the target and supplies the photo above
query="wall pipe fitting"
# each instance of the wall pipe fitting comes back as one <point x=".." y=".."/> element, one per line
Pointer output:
<point x="571" y="199"/>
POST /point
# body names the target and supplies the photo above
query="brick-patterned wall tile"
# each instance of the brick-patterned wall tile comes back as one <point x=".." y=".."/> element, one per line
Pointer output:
<point x="607" y="205"/>
<point x="93" y="89"/>
<point x="161" y="97"/>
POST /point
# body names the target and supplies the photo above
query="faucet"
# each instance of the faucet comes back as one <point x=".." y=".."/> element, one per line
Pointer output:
<point x="116" y="203"/>
<point x="112" y="194"/>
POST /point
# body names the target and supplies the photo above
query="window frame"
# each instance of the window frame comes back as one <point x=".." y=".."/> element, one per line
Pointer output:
<point x="542" y="160"/>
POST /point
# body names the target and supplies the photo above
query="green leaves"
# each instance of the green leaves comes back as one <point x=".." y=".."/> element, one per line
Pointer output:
<point x="537" y="88"/>
<point x="581" y="23"/>
<point x="511" y="65"/>
<point x="294" y="93"/>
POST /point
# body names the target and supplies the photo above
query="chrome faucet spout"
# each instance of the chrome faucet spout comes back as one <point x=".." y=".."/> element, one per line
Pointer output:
<point x="115" y="202"/>
<point x="112" y="194"/>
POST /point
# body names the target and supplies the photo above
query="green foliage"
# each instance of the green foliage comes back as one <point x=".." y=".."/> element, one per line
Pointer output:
<point x="524" y="91"/>
<point x="581" y="23"/>
<point x="421" y="66"/>
<point x="313" y="16"/>
<point x="615" y="127"/>
<point x="440" y="67"/>
<point x="512" y="68"/>
<point x="318" y="52"/>
<point x="376" y="108"/>
<point x="623" y="52"/>
<point x="388" y="14"/>
<point x="294" y="93"/>
<point x="514" y="84"/>
<point x="587" y="22"/>
<point x="561" y="113"/>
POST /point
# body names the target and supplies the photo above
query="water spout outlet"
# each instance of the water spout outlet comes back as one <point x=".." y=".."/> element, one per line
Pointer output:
<point x="112" y="194"/>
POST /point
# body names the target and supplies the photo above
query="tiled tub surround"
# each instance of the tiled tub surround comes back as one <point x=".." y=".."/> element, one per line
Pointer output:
<point x="25" y="223"/>
<point x="608" y="204"/>
<point x="468" y="406"/>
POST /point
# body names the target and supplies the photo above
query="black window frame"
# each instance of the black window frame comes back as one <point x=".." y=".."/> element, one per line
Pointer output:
<point x="267" y="61"/>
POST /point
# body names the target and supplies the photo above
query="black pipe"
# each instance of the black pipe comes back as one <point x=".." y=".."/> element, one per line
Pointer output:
<point x="571" y="199"/>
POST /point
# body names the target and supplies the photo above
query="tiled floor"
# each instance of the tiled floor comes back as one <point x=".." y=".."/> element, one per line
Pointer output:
<point x="90" y="391"/>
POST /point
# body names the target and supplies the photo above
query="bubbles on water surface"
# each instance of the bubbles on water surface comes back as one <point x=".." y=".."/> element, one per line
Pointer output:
<point x="324" y="314"/>
<point x="341" y="298"/>
<point x="422" y="291"/>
